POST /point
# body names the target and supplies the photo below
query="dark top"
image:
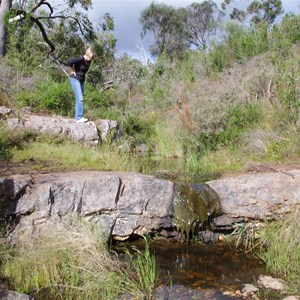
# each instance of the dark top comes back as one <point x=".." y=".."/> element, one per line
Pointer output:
<point x="81" y="67"/>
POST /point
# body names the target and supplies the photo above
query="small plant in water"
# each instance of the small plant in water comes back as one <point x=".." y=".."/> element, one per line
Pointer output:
<point x="246" y="236"/>
<point x="144" y="271"/>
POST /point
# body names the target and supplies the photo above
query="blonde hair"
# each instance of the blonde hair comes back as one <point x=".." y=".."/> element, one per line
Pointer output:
<point x="90" y="53"/>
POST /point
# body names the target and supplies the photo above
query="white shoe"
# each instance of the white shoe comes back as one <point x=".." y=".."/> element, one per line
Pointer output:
<point x="82" y="120"/>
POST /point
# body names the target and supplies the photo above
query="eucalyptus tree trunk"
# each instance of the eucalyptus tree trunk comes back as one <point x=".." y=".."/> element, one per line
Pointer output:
<point x="5" y="5"/>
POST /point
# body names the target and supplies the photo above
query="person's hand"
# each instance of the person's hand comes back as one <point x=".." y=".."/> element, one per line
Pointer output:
<point x="73" y="72"/>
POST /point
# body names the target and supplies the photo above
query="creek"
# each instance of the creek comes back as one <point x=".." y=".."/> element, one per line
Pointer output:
<point x="213" y="268"/>
<point x="209" y="268"/>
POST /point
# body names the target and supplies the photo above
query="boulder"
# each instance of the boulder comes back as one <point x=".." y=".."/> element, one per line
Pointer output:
<point x="269" y="282"/>
<point x="88" y="133"/>
<point x="5" y="111"/>
<point x="257" y="196"/>
<point x="129" y="204"/>
<point x="12" y="295"/>
<point x="124" y="204"/>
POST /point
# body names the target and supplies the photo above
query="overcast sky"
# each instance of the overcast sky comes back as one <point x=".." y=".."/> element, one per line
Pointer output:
<point x="126" y="14"/>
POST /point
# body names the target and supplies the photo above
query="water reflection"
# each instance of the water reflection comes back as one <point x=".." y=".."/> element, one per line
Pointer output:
<point x="201" y="266"/>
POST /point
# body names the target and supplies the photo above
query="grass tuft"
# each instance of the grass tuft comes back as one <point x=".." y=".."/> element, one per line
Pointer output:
<point x="73" y="262"/>
<point x="281" y="251"/>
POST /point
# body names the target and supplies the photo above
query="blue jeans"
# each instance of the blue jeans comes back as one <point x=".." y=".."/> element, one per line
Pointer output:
<point x="78" y="89"/>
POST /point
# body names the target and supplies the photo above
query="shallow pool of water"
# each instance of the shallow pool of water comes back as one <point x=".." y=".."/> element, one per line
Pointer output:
<point x="201" y="266"/>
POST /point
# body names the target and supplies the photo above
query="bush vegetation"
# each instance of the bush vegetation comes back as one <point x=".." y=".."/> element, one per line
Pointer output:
<point x="196" y="108"/>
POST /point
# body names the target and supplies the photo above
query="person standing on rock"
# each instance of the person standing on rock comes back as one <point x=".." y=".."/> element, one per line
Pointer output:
<point x="80" y="66"/>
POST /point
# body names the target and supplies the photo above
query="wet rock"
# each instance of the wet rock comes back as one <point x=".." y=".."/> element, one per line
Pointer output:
<point x="249" y="290"/>
<point x="208" y="236"/>
<point x="194" y="206"/>
<point x="269" y="282"/>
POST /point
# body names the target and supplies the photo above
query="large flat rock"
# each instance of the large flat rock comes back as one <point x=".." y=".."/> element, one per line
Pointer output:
<point x="258" y="196"/>
<point x="128" y="204"/>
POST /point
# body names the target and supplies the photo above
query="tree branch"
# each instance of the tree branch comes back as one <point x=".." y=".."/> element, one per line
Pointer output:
<point x="42" y="29"/>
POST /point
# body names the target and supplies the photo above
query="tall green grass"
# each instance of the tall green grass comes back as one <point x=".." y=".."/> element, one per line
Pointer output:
<point x="145" y="271"/>
<point x="73" y="262"/>
<point x="282" y="249"/>
<point x="70" y="263"/>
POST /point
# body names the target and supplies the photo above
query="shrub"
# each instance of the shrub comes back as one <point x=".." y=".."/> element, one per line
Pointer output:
<point x="138" y="130"/>
<point x="239" y="118"/>
<point x="5" y="153"/>
<point x="96" y="103"/>
<point x="49" y="95"/>
<point x="10" y="138"/>
<point x="237" y="44"/>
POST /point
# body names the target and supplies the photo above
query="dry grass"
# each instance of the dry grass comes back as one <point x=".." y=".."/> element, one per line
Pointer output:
<point x="73" y="262"/>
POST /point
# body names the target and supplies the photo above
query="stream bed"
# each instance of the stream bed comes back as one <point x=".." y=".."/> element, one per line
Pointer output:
<point x="209" y="268"/>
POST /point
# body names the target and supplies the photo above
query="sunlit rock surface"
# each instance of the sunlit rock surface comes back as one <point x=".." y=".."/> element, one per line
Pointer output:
<point x="257" y="196"/>
<point x="89" y="133"/>
<point x="129" y="204"/>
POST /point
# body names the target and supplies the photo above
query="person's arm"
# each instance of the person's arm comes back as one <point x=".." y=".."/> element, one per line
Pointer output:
<point x="73" y="61"/>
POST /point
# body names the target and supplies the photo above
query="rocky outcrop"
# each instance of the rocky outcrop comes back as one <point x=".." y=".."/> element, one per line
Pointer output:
<point x="128" y="204"/>
<point x="124" y="204"/>
<point x="257" y="196"/>
<point x="89" y="133"/>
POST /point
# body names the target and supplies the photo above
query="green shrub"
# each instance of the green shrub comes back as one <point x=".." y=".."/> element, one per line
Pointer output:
<point x="49" y="95"/>
<point x="10" y="139"/>
<point x="239" y="118"/>
<point x="5" y="153"/>
<point x="138" y="130"/>
<point x="287" y="90"/>
<point x="285" y="34"/>
<point x="97" y="103"/>
<point x="238" y="43"/>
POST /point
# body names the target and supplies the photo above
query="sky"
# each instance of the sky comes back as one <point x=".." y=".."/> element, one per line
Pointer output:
<point x="126" y="14"/>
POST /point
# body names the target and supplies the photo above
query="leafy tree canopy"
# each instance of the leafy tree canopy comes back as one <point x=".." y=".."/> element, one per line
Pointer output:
<point x="257" y="11"/>
<point x="61" y="29"/>
<point x="201" y="21"/>
<point x="165" y="23"/>
<point x="176" y="30"/>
